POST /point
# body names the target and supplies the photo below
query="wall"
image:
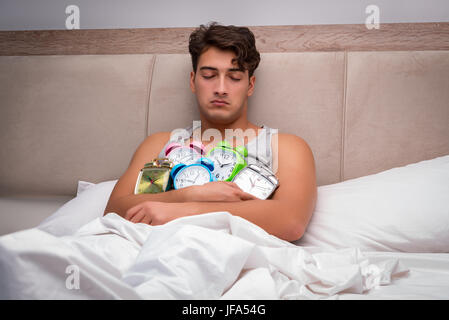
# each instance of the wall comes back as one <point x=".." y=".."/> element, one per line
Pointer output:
<point x="106" y="14"/>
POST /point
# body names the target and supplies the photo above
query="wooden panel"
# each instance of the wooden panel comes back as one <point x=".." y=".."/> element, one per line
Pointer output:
<point x="390" y="37"/>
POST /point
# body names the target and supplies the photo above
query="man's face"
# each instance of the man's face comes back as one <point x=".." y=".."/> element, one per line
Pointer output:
<point x="218" y="80"/>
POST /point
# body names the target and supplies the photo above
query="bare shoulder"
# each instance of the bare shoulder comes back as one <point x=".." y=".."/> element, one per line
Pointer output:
<point x="293" y="160"/>
<point x="157" y="138"/>
<point x="292" y="140"/>
<point x="145" y="152"/>
<point x="295" y="170"/>
<point x="292" y="146"/>
<point x="149" y="148"/>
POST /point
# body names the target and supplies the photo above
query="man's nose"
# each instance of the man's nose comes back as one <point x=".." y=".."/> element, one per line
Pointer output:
<point x="220" y="88"/>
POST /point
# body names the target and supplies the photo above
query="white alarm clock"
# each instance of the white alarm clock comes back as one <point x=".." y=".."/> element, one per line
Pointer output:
<point x="257" y="180"/>
<point x="194" y="174"/>
<point x="178" y="153"/>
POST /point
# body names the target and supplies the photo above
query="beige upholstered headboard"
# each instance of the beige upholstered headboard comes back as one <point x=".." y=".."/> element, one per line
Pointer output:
<point x="74" y="105"/>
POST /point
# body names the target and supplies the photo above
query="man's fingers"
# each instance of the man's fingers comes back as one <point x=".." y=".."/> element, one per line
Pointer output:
<point x="232" y="184"/>
<point x="243" y="195"/>
<point x="132" y="211"/>
<point x="138" y="216"/>
<point x="248" y="196"/>
<point x="146" y="219"/>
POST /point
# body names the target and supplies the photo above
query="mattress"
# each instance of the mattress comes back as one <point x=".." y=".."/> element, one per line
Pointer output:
<point x="24" y="212"/>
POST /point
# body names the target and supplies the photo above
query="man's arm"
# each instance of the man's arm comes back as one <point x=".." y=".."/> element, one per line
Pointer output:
<point x="274" y="216"/>
<point x="122" y="197"/>
<point x="285" y="215"/>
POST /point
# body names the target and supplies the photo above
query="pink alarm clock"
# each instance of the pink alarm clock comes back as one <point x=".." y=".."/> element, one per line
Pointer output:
<point x="179" y="153"/>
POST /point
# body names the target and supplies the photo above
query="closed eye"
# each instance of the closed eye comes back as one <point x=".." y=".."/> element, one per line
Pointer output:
<point x="209" y="77"/>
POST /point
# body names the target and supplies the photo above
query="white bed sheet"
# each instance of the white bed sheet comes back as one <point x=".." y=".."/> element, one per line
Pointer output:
<point x="209" y="256"/>
<point x="427" y="278"/>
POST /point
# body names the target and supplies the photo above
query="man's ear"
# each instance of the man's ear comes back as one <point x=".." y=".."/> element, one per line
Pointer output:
<point x="252" y="82"/>
<point x="192" y="81"/>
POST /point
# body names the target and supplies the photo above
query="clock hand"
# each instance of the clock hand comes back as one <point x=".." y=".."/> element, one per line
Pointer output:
<point x="252" y="183"/>
<point x="196" y="177"/>
<point x="260" y="187"/>
<point x="189" y="155"/>
<point x="187" y="180"/>
<point x="226" y="163"/>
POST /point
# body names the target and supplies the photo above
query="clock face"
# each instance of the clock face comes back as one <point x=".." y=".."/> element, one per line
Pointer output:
<point x="153" y="180"/>
<point x="184" y="155"/>
<point x="254" y="183"/>
<point x="194" y="175"/>
<point x="224" y="163"/>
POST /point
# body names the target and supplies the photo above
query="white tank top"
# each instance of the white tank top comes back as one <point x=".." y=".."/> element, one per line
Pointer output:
<point x="259" y="148"/>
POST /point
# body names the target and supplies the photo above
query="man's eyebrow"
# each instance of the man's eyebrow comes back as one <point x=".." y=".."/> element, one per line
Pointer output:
<point x="215" y="69"/>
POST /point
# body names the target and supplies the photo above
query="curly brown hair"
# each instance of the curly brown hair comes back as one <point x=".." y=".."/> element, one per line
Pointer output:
<point x="239" y="40"/>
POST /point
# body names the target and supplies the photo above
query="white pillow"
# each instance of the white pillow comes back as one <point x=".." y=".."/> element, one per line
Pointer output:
<point x="83" y="186"/>
<point x="90" y="202"/>
<point x="401" y="209"/>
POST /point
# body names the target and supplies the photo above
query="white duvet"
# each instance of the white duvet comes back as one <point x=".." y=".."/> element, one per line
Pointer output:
<point x="210" y="256"/>
<point x="382" y="236"/>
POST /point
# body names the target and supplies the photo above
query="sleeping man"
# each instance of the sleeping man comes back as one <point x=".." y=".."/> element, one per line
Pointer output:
<point x="224" y="59"/>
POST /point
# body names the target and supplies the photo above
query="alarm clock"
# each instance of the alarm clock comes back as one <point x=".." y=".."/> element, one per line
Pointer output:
<point x="154" y="177"/>
<point x="194" y="174"/>
<point x="227" y="161"/>
<point x="257" y="180"/>
<point x="179" y="153"/>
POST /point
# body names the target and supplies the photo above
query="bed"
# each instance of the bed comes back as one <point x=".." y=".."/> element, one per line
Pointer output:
<point x="372" y="104"/>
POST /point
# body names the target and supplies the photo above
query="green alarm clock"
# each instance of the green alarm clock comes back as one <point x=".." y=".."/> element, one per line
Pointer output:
<point x="228" y="161"/>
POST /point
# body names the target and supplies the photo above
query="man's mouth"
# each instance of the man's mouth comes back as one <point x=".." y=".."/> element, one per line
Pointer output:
<point x="218" y="102"/>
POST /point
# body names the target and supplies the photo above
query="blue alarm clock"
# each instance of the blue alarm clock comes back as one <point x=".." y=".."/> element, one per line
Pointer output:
<point x="194" y="174"/>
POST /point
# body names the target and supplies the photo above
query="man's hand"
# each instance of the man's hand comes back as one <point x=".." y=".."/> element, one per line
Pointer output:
<point x="155" y="213"/>
<point x="218" y="191"/>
